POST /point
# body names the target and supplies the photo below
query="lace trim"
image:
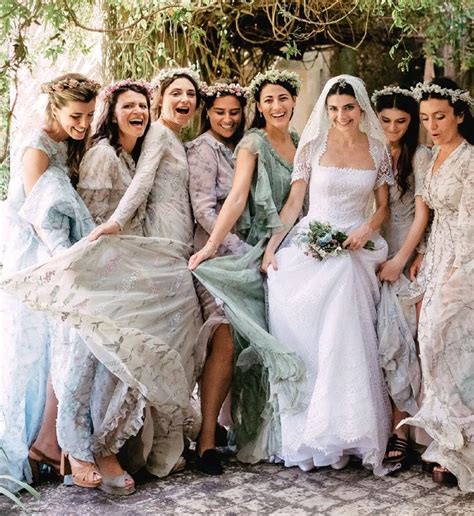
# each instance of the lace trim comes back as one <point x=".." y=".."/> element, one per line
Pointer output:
<point x="133" y="404"/>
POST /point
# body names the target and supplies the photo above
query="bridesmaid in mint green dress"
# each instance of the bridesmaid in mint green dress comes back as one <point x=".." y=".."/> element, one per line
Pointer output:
<point x="264" y="163"/>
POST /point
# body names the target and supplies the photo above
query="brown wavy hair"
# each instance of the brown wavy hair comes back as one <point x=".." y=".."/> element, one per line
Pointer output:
<point x="107" y="129"/>
<point x="85" y="91"/>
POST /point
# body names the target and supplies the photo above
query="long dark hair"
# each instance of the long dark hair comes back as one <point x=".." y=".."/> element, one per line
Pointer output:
<point x="258" y="119"/>
<point x="70" y="87"/>
<point x="466" y="127"/>
<point x="409" y="141"/>
<point x="205" y="123"/>
<point x="106" y="128"/>
<point x="163" y="86"/>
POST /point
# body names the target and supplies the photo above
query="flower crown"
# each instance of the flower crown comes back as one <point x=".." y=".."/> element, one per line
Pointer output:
<point x="67" y="84"/>
<point x="454" y="95"/>
<point x="391" y="90"/>
<point x="221" y="88"/>
<point x="274" y="76"/>
<point x="108" y="92"/>
<point x="168" y="73"/>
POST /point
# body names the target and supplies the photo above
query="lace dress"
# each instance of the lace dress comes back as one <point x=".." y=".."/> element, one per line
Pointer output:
<point x="53" y="208"/>
<point x="446" y="330"/>
<point x="263" y="366"/>
<point x="133" y="301"/>
<point x="326" y="313"/>
<point x="396" y="324"/>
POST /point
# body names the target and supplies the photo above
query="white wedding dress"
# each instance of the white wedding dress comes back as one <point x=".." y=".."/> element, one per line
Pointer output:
<point x="326" y="312"/>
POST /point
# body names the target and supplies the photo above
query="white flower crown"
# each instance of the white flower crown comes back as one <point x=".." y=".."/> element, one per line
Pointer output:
<point x="454" y="95"/>
<point x="390" y="90"/>
<point x="221" y="88"/>
<point x="274" y="76"/>
<point x="168" y="73"/>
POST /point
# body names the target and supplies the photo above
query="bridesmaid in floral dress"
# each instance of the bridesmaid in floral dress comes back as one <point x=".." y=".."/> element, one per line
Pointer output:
<point x="211" y="167"/>
<point x="104" y="175"/>
<point x="43" y="216"/>
<point x="446" y="330"/>
<point x="397" y="110"/>
<point x="264" y="162"/>
<point x="161" y="181"/>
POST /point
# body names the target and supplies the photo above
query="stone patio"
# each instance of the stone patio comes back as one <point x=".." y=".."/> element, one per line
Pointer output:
<point x="261" y="489"/>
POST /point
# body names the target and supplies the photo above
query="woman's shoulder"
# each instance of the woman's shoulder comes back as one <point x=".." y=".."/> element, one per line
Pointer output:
<point x="102" y="150"/>
<point x="39" y="139"/>
<point x="158" y="130"/>
<point x="423" y="153"/>
<point x="204" y="140"/>
<point x="254" y="140"/>
<point x="102" y="156"/>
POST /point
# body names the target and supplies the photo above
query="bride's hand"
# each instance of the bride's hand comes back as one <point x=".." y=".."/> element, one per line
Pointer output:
<point x="107" y="228"/>
<point x="269" y="258"/>
<point x="208" y="251"/>
<point x="358" y="238"/>
<point x="390" y="270"/>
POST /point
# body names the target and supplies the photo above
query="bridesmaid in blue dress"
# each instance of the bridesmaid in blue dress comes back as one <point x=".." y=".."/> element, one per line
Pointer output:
<point x="42" y="218"/>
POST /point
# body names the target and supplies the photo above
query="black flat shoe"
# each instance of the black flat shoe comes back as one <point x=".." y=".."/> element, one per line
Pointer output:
<point x="210" y="463"/>
<point x="221" y="435"/>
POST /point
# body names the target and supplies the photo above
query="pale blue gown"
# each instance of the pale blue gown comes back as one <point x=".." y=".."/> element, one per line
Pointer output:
<point x="53" y="208"/>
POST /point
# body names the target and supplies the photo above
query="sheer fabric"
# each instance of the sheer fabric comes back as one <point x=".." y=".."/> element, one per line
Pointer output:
<point x="446" y="331"/>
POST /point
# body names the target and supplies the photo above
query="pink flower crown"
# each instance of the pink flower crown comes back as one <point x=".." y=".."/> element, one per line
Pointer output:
<point x="221" y="88"/>
<point x="68" y="84"/>
<point x="107" y="93"/>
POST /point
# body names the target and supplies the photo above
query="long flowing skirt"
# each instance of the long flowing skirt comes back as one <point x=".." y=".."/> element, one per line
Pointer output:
<point x="325" y="311"/>
<point x="133" y="302"/>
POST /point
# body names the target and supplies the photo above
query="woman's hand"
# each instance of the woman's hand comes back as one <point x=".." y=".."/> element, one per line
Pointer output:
<point x="415" y="266"/>
<point x="358" y="238"/>
<point x="269" y="258"/>
<point x="107" y="228"/>
<point x="390" y="270"/>
<point x="208" y="251"/>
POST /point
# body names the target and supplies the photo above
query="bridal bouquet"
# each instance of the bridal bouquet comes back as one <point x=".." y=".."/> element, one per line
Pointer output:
<point x="323" y="241"/>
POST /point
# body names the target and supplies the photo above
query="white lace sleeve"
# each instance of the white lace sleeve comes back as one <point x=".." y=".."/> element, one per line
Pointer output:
<point x="154" y="147"/>
<point x="383" y="163"/>
<point x="306" y="155"/>
<point x="302" y="168"/>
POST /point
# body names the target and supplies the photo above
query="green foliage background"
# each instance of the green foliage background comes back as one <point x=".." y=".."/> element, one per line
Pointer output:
<point x="233" y="38"/>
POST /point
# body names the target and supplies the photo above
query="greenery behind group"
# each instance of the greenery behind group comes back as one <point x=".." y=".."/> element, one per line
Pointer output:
<point x="382" y="41"/>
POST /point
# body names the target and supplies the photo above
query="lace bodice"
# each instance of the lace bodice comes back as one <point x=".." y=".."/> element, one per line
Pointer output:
<point x="340" y="195"/>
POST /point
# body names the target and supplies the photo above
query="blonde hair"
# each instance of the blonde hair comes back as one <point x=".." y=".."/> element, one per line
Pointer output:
<point x="70" y="87"/>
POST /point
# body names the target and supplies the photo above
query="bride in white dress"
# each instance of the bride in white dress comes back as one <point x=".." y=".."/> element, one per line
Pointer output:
<point x="326" y="310"/>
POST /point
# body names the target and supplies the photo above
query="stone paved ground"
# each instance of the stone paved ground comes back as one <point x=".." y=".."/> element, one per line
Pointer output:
<point x="262" y="489"/>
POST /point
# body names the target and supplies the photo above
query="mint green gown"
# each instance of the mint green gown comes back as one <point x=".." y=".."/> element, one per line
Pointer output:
<point x="264" y="367"/>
